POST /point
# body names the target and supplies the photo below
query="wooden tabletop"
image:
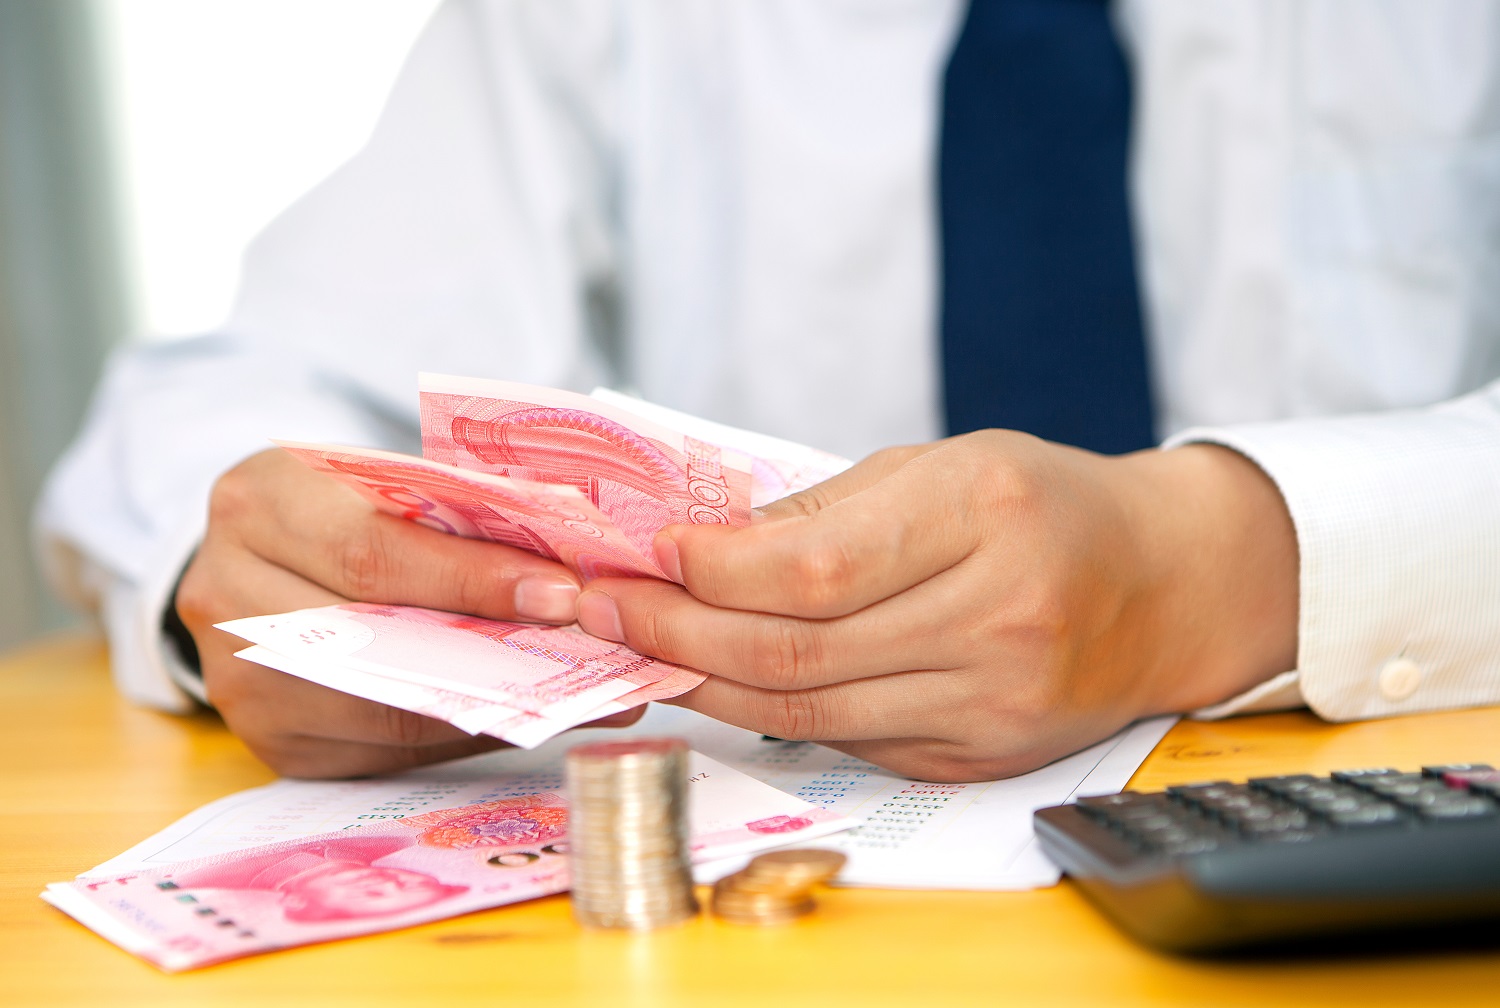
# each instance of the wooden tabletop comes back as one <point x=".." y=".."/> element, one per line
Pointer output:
<point x="86" y="775"/>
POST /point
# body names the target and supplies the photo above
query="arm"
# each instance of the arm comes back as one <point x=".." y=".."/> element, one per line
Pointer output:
<point x="987" y="604"/>
<point x="469" y="236"/>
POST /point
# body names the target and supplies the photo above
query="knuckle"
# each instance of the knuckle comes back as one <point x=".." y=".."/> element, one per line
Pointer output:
<point x="994" y="463"/>
<point x="404" y="729"/>
<point x="796" y="716"/>
<point x="469" y="588"/>
<point x="785" y="654"/>
<point x="649" y="630"/>
<point x="822" y="576"/>
<point x="1038" y="626"/>
<point x="232" y="499"/>
<point x="198" y="598"/>
<point x="895" y="456"/>
<point x="366" y="564"/>
<point x="802" y="504"/>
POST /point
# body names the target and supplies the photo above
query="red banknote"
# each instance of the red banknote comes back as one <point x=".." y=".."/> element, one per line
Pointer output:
<point x="556" y="522"/>
<point x="641" y="475"/>
<point x="517" y="681"/>
<point x="335" y="885"/>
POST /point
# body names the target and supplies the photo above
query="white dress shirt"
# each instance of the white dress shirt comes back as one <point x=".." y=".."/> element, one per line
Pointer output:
<point x="729" y="209"/>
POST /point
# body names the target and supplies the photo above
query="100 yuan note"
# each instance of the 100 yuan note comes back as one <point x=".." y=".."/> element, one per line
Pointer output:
<point x="558" y="674"/>
<point x="729" y="812"/>
<point x="556" y="522"/>
<point x="335" y="885"/>
<point x="642" y="475"/>
<point x="423" y="866"/>
<point x="468" y="713"/>
<point x="778" y="467"/>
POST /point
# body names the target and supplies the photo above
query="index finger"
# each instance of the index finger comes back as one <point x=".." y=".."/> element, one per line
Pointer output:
<point x="832" y="557"/>
<point x="322" y="531"/>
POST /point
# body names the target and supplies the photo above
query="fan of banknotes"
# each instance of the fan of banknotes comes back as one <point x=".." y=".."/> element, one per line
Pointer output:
<point x="585" y="480"/>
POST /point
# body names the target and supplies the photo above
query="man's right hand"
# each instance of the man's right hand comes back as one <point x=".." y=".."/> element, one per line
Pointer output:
<point x="282" y="537"/>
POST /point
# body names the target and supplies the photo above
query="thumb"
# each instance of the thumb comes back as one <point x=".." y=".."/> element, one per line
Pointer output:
<point x="805" y="503"/>
<point x="857" y="478"/>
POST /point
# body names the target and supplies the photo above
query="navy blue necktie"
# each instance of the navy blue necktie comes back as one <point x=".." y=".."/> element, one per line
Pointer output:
<point x="1041" y="319"/>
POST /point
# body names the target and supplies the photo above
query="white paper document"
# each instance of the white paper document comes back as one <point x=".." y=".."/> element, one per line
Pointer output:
<point x="914" y="835"/>
<point x="929" y="836"/>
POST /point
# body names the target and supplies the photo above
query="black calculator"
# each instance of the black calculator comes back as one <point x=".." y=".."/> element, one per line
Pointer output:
<point x="1219" y="866"/>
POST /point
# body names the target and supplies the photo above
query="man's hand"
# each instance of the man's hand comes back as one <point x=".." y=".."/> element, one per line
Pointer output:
<point x="978" y="607"/>
<point x="283" y="537"/>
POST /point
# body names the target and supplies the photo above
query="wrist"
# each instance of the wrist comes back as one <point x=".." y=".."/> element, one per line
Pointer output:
<point x="1222" y="561"/>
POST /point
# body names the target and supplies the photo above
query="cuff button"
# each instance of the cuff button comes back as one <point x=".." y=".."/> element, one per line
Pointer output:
<point x="1399" y="678"/>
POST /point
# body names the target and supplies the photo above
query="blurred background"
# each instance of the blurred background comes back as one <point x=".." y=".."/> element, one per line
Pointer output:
<point x="142" y="144"/>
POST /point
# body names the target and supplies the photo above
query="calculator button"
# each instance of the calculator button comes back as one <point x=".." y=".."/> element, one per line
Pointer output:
<point x="1288" y="785"/>
<point x="1275" y="822"/>
<point x="1436" y="793"/>
<point x="1198" y="792"/>
<point x="1405" y="784"/>
<point x="1233" y="804"/>
<point x="1132" y="814"/>
<point x="1113" y="800"/>
<point x="1487" y="784"/>
<point x="1267" y="812"/>
<point x="1110" y="807"/>
<point x="1196" y="844"/>
<point x="1445" y="769"/>
<point x="1361" y="776"/>
<point x="1458" y="807"/>
<point x="1337" y="805"/>
<point x="1109" y="803"/>
<point x="1371" y="814"/>
<point x="1289" y="836"/>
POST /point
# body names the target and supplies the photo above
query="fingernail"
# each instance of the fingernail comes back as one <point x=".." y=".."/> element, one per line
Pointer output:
<point x="546" y="600"/>
<point x="598" y="614"/>
<point x="667" y="559"/>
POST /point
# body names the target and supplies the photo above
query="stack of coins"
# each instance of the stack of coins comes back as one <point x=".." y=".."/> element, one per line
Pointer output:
<point x="776" y="887"/>
<point x="627" y="833"/>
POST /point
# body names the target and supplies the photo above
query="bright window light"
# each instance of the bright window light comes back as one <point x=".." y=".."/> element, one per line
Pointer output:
<point x="224" y="113"/>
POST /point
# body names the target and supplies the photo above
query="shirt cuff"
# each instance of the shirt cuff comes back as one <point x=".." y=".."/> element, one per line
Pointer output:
<point x="147" y="665"/>
<point x="1398" y="531"/>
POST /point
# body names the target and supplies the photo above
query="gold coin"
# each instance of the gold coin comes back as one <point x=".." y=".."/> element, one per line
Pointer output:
<point x="762" y="913"/>
<point x="807" y="865"/>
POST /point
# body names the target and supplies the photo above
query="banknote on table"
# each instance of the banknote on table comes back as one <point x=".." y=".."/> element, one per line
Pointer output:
<point x="226" y="902"/>
<point x="517" y="681"/>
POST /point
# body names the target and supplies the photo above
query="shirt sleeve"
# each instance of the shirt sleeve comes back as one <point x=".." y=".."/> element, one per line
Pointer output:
<point x="1398" y="526"/>
<point x="472" y="234"/>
